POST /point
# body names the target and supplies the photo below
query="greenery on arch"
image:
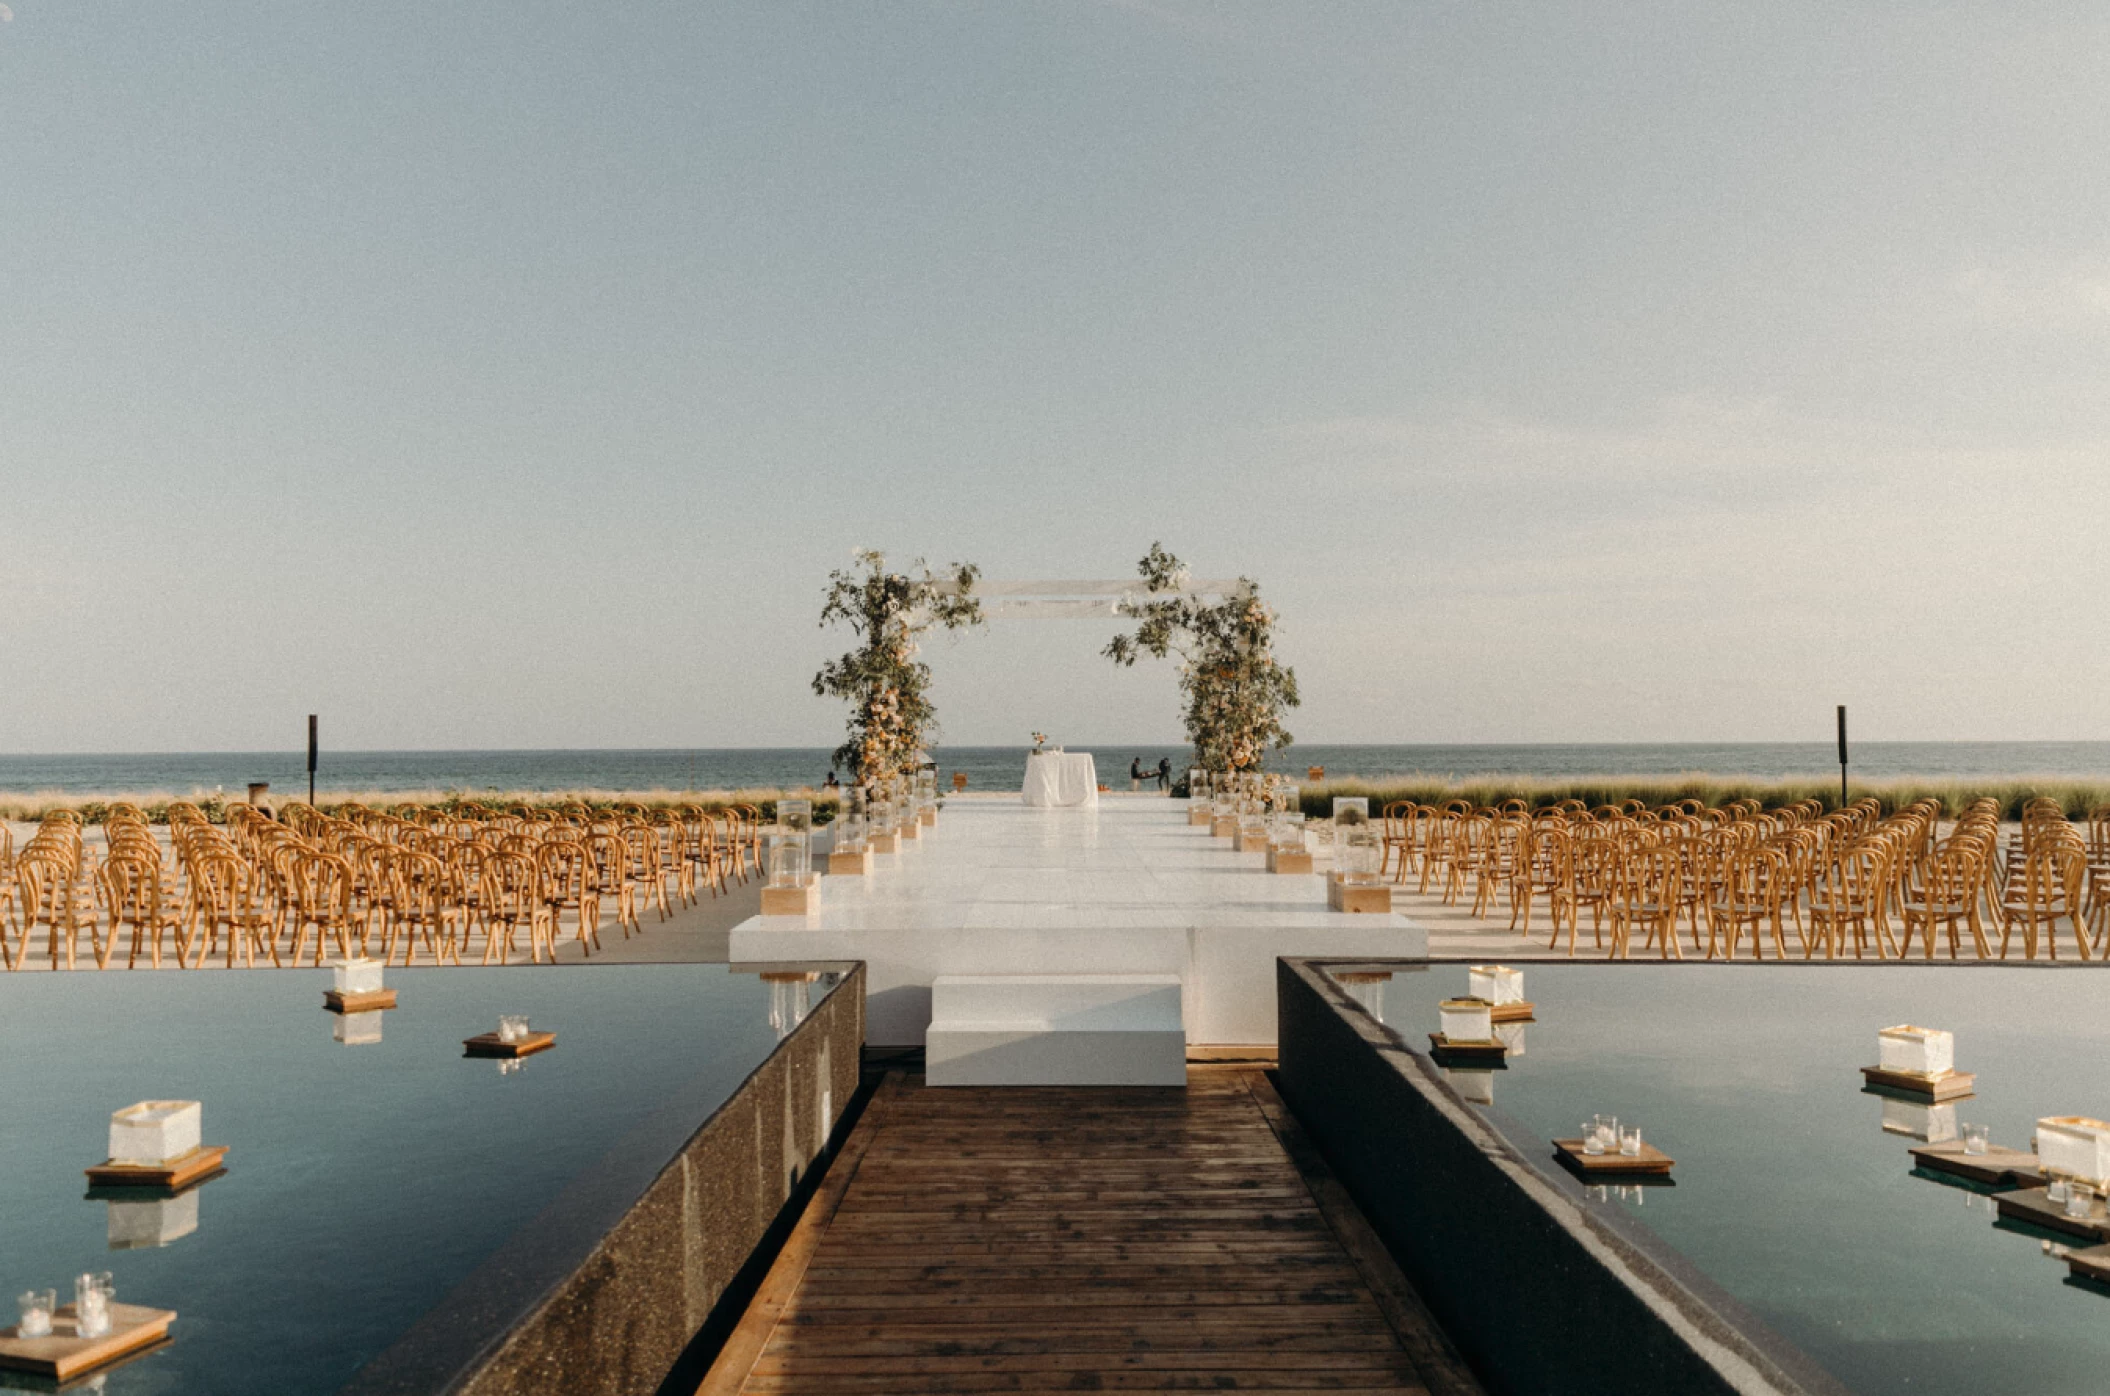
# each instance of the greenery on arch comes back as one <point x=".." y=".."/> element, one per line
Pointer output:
<point x="1236" y="693"/>
<point x="887" y="686"/>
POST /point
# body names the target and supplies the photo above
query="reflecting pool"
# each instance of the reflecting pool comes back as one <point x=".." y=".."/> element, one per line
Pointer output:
<point x="372" y="1166"/>
<point x="1793" y="1188"/>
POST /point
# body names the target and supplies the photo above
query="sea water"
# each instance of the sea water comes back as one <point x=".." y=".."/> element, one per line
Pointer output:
<point x="998" y="768"/>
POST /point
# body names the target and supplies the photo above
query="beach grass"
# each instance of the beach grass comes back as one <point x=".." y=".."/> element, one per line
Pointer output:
<point x="2076" y="797"/>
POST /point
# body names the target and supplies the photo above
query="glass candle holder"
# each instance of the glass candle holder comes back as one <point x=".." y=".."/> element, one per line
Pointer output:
<point x="1606" y="1128"/>
<point x="91" y="1305"/>
<point x="2056" y="1191"/>
<point x="1977" y="1139"/>
<point x="1592" y="1141"/>
<point x="37" y="1308"/>
<point x="1630" y="1143"/>
<point x="512" y="1027"/>
<point x="2080" y="1202"/>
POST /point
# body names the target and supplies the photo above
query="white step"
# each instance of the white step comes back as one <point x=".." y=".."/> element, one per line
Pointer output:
<point x="1056" y="1030"/>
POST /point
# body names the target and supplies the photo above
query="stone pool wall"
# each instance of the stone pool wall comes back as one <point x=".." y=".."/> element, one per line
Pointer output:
<point x="1535" y="1292"/>
<point x="615" y="1324"/>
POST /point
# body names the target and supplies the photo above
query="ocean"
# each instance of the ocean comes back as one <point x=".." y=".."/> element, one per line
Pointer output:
<point x="999" y="768"/>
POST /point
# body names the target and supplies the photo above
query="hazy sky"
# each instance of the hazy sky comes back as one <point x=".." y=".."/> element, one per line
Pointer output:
<point x="511" y="375"/>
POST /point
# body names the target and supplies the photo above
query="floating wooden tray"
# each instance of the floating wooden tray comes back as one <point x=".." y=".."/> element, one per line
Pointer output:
<point x="2090" y="1263"/>
<point x="488" y="1044"/>
<point x="1523" y="1011"/>
<point x="1491" y="1050"/>
<point x="1997" y="1165"/>
<point x="1949" y="1085"/>
<point x="1650" y="1162"/>
<point x="63" y="1356"/>
<point x="358" y="1003"/>
<point x="2033" y="1206"/>
<point x="178" y="1173"/>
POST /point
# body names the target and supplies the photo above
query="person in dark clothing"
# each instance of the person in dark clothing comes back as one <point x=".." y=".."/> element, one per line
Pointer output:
<point x="1164" y="773"/>
<point x="831" y="783"/>
<point x="1135" y="773"/>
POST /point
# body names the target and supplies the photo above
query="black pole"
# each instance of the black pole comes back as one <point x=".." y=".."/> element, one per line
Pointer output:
<point x="311" y="756"/>
<point x="1842" y="756"/>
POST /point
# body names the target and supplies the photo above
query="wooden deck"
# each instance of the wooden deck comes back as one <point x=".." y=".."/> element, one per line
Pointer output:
<point x="972" y="1240"/>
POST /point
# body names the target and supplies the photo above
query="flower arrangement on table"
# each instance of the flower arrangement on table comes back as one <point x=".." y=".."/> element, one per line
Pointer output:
<point x="1040" y="739"/>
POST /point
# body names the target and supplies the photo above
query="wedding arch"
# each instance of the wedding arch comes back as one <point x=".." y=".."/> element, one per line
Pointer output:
<point x="1218" y="628"/>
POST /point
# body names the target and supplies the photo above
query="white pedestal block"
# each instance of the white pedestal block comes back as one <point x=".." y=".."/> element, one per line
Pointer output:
<point x="1056" y="1030"/>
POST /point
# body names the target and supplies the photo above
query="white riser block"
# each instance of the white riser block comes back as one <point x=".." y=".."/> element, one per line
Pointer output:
<point x="1007" y="1055"/>
<point x="1088" y="1002"/>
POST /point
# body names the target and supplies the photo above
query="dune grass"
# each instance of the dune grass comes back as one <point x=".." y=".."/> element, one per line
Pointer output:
<point x="155" y="803"/>
<point x="2076" y="797"/>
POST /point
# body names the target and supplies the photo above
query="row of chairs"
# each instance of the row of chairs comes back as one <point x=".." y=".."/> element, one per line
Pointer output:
<point x="1852" y="881"/>
<point x="428" y="883"/>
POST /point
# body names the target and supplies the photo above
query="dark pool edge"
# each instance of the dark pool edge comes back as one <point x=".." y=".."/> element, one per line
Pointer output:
<point x="1538" y="1292"/>
<point x="613" y="1316"/>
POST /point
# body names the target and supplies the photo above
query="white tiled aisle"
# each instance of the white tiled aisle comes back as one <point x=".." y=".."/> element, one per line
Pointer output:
<point x="1128" y="888"/>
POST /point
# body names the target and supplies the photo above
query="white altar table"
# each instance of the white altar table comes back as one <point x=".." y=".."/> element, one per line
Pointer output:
<point x="1061" y="779"/>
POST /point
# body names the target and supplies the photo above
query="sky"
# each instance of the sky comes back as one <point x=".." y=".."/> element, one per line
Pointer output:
<point x="514" y="375"/>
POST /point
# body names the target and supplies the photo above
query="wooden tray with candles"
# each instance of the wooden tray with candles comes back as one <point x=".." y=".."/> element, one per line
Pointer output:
<point x="1997" y="1166"/>
<point x="174" y="1175"/>
<point x="2034" y="1207"/>
<point x="490" y="1044"/>
<point x="63" y="1354"/>
<point x="1651" y="1162"/>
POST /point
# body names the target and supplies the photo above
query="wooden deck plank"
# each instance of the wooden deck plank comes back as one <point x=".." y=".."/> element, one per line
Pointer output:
<point x="1042" y="1239"/>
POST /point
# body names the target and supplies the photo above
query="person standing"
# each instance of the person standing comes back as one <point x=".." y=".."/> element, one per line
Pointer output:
<point x="1135" y="773"/>
<point x="1165" y="773"/>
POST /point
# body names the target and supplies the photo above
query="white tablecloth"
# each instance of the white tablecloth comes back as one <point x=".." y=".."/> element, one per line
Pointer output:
<point x="1061" y="778"/>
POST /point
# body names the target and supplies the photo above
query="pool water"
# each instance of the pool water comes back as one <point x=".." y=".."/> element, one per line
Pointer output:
<point x="1788" y="1192"/>
<point x="364" y="1181"/>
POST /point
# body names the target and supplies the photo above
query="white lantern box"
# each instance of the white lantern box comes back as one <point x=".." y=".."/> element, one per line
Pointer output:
<point x="2075" y="1146"/>
<point x="1498" y="984"/>
<point x="357" y="975"/>
<point x="1916" y="1051"/>
<point x="1466" y="1020"/>
<point x="154" y="1132"/>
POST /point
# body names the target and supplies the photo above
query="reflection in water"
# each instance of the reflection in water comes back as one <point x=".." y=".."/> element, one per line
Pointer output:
<point x="1618" y="1192"/>
<point x="790" y="999"/>
<point x="358" y="1029"/>
<point x="511" y="1066"/>
<point x="1511" y="1036"/>
<point x="1366" y="987"/>
<point x="1476" y="1086"/>
<point x="147" y="1223"/>
<point x="1914" y="1119"/>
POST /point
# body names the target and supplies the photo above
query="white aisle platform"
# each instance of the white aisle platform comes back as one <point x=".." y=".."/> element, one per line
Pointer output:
<point x="1127" y="888"/>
